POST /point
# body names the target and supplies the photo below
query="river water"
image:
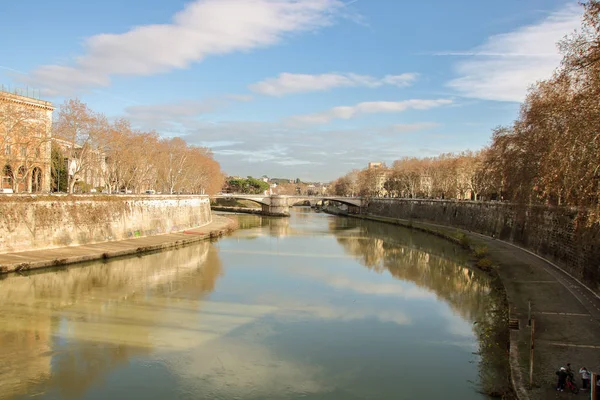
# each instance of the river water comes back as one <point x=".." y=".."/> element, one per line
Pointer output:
<point x="310" y="307"/>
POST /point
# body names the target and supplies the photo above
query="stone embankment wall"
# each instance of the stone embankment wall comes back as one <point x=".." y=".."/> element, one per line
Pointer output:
<point x="33" y="223"/>
<point x="558" y="234"/>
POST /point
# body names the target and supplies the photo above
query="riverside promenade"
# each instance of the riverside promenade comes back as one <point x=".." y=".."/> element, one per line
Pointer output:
<point x="29" y="260"/>
<point x="566" y="317"/>
<point x="566" y="313"/>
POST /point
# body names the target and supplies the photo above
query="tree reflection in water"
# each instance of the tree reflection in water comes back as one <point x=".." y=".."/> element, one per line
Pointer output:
<point x="430" y="263"/>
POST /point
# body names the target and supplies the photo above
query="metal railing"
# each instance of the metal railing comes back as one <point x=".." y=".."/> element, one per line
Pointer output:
<point x="21" y="91"/>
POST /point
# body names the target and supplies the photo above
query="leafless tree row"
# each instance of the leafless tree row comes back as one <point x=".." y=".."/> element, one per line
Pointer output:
<point x="123" y="158"/>
<point x="549" y="155"/>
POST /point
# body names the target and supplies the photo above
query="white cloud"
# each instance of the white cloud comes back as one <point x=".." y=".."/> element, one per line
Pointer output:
<point x="202" y="28"/>
<point x="287" y="83"/>
<point x="348" y="112"/>
<point x="506" y="65"/>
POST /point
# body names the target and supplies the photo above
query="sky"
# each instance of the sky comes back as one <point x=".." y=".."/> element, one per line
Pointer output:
<point x="305" y="89"/>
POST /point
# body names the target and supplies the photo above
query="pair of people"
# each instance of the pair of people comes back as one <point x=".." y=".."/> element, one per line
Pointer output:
<point x="567" y="373"/>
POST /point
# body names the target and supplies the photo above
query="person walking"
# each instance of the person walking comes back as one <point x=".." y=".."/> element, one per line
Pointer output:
<point x="585" y="378"/>
<point x="562" y="378"/>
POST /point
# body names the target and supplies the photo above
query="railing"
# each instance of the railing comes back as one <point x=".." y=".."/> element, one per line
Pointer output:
<point x="25" y="92"/>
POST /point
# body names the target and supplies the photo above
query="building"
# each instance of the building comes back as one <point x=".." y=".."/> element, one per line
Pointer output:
<point x="25" y="148"/>
<point x="89" y="171"/>
<point x="380" y="176"/>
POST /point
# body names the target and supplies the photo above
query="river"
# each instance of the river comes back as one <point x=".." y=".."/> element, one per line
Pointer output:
<point x="307" y="307"/>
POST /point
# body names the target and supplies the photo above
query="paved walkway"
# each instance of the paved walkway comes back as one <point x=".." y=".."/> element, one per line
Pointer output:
<point x="26" y="260"/>
<point x="566" y="313"/>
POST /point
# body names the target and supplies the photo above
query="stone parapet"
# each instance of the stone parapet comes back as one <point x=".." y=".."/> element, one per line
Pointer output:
<point x="562" y="235"/>
<point x="43" y="222"/>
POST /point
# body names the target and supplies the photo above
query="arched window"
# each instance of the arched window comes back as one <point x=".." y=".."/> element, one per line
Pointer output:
<point x="36" y="180"/>
<point x="7" y="177"/>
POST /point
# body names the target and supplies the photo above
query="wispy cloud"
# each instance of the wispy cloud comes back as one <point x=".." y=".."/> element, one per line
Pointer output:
<point x="202" y="28"/>
<point x="169" y="116"/>
<point x="506" y="65"/>
<point x="288" y="83"/>
<point x="348" y="112"/>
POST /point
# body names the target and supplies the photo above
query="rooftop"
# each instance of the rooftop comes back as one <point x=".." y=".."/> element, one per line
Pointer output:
<point x="25" y="97"/>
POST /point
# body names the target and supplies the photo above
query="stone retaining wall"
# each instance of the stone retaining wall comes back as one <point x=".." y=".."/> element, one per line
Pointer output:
<point x="30" y="223"/>
<point x="557" y="234"/>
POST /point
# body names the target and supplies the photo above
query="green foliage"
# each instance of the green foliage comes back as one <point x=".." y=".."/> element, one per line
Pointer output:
<point x="59" y="170"/>
<point x="249" y="185"/>
<point x="484" y="264"/>
<point x="463" y="240"/>
<point x="480" y="252"/>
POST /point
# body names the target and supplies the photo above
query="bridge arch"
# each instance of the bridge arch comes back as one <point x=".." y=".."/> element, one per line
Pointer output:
<point x="263" y="201"/>
<point x="292" y="202"/>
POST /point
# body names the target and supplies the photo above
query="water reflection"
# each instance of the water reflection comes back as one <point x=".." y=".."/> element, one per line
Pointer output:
<point x="292" y="313"/>
<point x="254" y="226"/>
<point x="429" y="262"/>
<point x="65" y="329"/>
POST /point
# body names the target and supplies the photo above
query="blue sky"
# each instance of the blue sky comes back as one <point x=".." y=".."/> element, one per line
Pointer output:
<point x="306" y="88"/>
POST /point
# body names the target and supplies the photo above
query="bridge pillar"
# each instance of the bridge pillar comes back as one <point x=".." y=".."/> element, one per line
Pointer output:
<point x="278" y="208"/>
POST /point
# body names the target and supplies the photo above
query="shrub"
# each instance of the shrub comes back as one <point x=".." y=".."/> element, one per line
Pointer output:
<point x="480" y="252"/>
<point x="484" y="264"/>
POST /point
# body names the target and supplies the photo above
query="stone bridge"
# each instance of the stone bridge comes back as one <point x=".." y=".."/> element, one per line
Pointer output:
<point x="280" y="205"/>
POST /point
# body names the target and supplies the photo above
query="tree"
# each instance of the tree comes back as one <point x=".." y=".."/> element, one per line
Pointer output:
<point x="78" y="128"/>
<point x="405" y="177"/>
<point x="341" y="186"/>
<point x="59" y="169"/>
<point x="173" y="157"/>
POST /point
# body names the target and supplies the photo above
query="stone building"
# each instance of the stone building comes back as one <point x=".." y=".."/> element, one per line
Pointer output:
<point x="380" y="175"/>
<point x="25" y="148"/>
<point x="88" y="171"/>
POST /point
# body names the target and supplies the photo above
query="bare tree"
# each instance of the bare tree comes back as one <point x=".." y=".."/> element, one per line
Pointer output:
<point x="77" y="128"/>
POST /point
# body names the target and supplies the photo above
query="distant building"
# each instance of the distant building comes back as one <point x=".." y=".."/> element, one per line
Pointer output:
<point x="426" y="185"/>
<point x="380" y="177"/>
<point x="25" y="149"/>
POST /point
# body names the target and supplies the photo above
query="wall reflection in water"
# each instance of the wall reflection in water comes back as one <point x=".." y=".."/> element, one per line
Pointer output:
<point x="296" y="316"/>
<point x="254" y="226"/>
<point x="65" y="329"/>
<point x="431" y="263"/>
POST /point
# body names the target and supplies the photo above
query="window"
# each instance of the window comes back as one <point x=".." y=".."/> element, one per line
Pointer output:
<point x="7" y="150"/>
<point x="23" y="151"/>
